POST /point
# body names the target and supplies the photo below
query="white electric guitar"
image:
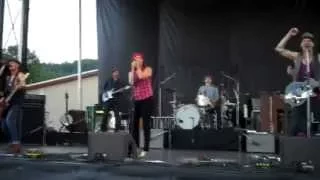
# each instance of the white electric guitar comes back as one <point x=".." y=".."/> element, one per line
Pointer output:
<point x="106" y="96"/>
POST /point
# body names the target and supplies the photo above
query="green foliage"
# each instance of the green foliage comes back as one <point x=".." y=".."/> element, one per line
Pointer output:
<point x="45" y="71"/>
<point x="12" y="52"/>
<point x="70" y="68"/>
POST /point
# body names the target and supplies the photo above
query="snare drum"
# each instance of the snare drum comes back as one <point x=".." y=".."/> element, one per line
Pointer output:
<point x="188" y="116"/>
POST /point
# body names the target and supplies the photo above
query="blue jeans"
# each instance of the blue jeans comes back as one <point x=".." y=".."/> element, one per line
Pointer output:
<point x="11" y="124"/>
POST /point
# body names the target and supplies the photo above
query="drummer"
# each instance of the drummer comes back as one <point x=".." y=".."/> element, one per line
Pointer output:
<point x="209" y="90"/>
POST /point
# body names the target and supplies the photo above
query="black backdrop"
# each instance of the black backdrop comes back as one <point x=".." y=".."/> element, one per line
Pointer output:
<point x="195" y="38"/>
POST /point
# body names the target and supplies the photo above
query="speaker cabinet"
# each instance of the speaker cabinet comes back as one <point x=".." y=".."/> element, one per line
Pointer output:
<point x="297" y="149"/>
<point x="222" y="140"/>
<point x="112" y="146"/>
<point x="33" y="116"/>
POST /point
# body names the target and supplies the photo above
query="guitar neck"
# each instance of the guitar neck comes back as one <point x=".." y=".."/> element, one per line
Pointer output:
<point x="119" y="90"/>
<point x="16" y="89"/>
<point x="11" y="94"/>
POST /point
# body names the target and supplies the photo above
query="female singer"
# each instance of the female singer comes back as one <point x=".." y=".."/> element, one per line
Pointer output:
<point x="140" y="77"/>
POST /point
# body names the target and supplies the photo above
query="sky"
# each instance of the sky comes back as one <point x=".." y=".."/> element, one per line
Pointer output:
<point x="54" y="29"/>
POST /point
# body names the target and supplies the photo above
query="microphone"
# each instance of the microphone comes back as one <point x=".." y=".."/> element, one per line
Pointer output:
<point x="308" y="52"/>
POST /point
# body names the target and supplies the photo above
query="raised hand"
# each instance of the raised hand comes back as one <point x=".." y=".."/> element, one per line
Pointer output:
<point x="293" y="31"/>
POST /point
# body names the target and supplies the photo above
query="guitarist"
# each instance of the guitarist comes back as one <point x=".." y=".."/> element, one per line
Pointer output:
<point x="3" y="68"/>
<point x="12" y="116"/>
<point x="113" y="104"/>
<point x="301" y="73"/>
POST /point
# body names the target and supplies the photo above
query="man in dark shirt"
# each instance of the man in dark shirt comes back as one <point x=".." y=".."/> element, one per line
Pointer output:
<point x="114" y="83"/>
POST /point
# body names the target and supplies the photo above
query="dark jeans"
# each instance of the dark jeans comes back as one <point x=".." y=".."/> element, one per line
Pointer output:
<point x="298" y="123"/>
<point x="142" y="109"/>
<point x="112" y="106"/>
<point x="11" y="124"/>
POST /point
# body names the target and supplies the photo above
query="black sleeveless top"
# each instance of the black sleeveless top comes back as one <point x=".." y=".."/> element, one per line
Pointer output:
<point x="18" y="97"/>
<point x="303" y="75"/>
<point x="299" y="72"/>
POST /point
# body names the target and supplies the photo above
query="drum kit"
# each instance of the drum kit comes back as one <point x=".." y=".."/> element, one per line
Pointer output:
<point x="203" y="115"/>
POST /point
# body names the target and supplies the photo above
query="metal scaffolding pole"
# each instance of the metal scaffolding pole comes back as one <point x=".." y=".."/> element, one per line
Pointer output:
<point x="2" y="2"/>
<point x="23" y="52"/>
<point x="80" y="93"/>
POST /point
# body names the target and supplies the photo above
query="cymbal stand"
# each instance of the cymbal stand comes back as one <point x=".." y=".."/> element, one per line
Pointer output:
<point x="237" y="91"/>
<point x="222" y="110"/>
<point x="170" y="121"/>
<point x="160" y="92"/>
<point x="237" y="94"/>
<point x="174" y="103"/>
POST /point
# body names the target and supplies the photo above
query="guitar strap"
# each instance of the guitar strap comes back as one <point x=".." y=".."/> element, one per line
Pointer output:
<point x="10" y="84"/>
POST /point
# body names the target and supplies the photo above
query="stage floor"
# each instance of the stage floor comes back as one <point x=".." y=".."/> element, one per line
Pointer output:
<point x="65" y="163"/>
<point x="172" y="157"/>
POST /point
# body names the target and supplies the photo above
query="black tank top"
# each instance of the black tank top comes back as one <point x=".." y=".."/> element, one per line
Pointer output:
<point x="17" y="98"/>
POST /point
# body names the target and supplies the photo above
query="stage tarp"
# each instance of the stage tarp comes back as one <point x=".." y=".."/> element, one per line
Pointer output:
<point x="195" y="38"/>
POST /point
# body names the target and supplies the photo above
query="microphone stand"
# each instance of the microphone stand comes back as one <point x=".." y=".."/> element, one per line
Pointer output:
<point x="238" y="103"/>
<point x="160" y="92"/>
<point x="222" y="100"/>
<point x="308" y="99"/>
<point x="131" y="106"/>
<point x="237" y="94"/>
<point x="132" y="111"/>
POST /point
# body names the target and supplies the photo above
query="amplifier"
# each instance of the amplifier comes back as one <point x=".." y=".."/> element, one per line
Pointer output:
<point x="34" y="99"/>
<point x="111" y="146"/>
<point x="33" y="117"/>
<point x="79" y="123"/>
<point x="260" y="143"/>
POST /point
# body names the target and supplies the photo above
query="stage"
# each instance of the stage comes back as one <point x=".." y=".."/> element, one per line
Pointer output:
<point x="70" y="163"/>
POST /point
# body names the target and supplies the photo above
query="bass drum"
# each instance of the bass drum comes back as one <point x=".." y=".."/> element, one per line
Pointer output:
<point x="188" y="116"/>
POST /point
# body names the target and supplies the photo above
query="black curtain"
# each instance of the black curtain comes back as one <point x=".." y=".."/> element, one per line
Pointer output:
<point x="196" y="38"/>
<point x="124" y="27"/>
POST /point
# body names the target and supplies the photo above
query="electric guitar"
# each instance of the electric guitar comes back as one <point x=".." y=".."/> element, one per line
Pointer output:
<point x="4" y="104"/>
<point x="106" y="96"/>
<point x="296" y="93"/>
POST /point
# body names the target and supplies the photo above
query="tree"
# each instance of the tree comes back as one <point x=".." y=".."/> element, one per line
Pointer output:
<point x="12" y="52"/>
<point x="36" y="71"/>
